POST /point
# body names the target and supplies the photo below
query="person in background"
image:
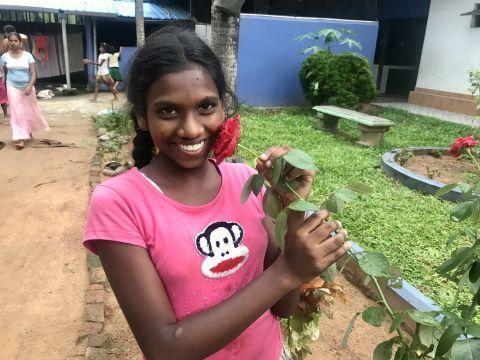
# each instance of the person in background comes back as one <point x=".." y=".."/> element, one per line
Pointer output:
<point x="7" y="29"/>
<point x="3" y="93"/>
<point x="113" y="66"/>
<point x="26" y="116"/>
<point x="103" y="75"/>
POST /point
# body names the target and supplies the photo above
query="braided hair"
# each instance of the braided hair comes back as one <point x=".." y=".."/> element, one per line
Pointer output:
<point x="168" y="50"/>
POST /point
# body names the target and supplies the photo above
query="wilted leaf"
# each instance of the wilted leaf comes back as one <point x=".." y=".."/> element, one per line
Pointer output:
<point x="348" y="331"/>
<point x="375" y="316"/>
<point x="449" y="336"/>
<point x="300" y="160"/>
<point x="445" y="190"/>
<point x="271" y="203"/>
<point x="374" y="264"/>
<point x="313" y="284"/>
<point x="360" y="188"/>
<point x="247" y="189"/>
<point x="257" y="183"/>
<point x="302" y="205"/>
<point x="281" y="229"/>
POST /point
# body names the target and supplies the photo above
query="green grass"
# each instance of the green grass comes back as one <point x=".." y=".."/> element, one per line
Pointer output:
<point x="409" y="228"/>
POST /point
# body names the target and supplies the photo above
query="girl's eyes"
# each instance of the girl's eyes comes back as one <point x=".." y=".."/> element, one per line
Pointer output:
<point x="207" y="106"/>
<point x="167" y="111"/>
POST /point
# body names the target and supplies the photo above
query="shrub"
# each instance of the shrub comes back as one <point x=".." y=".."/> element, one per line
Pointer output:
<point x="344" y="80"/>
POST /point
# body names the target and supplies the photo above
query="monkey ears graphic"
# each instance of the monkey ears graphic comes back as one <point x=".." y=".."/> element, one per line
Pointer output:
<point x="204" y="242"/>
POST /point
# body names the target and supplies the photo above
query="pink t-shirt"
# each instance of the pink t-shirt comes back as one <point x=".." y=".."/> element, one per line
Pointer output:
<point x="203" y="254"/>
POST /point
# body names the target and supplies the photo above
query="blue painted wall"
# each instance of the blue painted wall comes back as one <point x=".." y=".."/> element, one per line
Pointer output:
<point x="269" y="58"/>
<point x="126" y="57"/>
<point x="394" y="9"/>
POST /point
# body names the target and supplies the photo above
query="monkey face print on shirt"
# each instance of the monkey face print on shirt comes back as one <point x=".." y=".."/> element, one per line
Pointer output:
<point x="220" y="243"/>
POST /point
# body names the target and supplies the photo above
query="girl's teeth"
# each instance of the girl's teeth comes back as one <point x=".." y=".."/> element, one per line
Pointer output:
<point x="192" y="148"/>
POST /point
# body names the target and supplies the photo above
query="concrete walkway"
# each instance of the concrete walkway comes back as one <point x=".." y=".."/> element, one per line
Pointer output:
<point x="436" y="113"/>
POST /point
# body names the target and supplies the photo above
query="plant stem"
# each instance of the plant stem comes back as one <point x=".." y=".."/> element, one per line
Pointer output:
<point x="387" y="306"/>
<point x="293" y="191"/>
<point x="247" y="149"/>
<point x="473" y="158"/>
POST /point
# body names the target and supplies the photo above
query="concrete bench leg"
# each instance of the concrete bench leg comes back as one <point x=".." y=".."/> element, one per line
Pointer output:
<point x="372" y="135"/>
<point x="330" y="123"/>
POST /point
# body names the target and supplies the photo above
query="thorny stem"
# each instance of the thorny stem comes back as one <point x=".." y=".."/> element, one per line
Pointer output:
<point x="387" y="306"/>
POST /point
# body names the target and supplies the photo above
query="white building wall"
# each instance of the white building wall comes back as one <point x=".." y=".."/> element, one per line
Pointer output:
<point x="450" y="48"/>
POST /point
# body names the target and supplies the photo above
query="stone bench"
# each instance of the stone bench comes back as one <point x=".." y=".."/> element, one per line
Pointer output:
<point x="372" y="127"/>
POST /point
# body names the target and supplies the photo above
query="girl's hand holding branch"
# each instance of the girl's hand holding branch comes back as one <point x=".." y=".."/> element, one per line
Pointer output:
<point x="309" y="246"/>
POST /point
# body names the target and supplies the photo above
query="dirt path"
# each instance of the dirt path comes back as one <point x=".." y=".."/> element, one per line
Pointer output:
<point x="44" y="194"/>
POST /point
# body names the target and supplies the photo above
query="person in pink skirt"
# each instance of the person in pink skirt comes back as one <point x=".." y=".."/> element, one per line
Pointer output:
<point x="25" y="114"/>
<point x="3" y="93"/>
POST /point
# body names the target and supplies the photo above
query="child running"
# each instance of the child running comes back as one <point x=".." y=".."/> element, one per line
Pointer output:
<point x="114" y="67"/>
<point x="103" y="75"/>
<point x="197" y="274"/>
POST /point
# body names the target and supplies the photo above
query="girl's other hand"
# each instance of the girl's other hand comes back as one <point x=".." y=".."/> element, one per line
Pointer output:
<point x="85" y="61"/>
<point x="28" y="90"/>
<point x="310" y="248"/>
<point x="304" y="177"/>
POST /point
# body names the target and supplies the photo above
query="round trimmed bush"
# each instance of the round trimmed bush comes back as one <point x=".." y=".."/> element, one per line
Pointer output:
<point x="344" y="80"/>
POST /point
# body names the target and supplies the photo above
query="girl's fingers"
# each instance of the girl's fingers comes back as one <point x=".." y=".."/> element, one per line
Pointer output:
<point x="331" y="244"/>
<point x="337" y="254"/>
<point x="315" y="220"/>
<point x="324" y="231"/>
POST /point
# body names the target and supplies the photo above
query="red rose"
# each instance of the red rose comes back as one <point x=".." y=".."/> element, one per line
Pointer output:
<point x="461" y="143"/>
<point x="227" y="139"/>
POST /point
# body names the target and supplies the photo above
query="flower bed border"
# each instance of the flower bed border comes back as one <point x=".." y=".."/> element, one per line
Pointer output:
<point x="414" y="181"/>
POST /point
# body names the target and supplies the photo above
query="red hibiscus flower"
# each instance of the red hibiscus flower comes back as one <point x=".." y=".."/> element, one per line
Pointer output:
<point x="462" y="143"/>
<point x="227" y="139"/>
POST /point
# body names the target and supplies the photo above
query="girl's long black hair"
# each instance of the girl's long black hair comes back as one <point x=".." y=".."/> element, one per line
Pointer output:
<point x="171" y="49"/>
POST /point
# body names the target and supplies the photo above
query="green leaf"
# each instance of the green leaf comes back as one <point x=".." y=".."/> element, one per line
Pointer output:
<point x="348" y="331"/>
<point x="329" y="274"/>
<point x="375" y="316"/>
<point x="281" y="229"/>
<point x="361" y="188"/>
<point x="300" y="160"/>
<point x="462" y="211"/>
<point x="474" y="273"/>
<point x="458" y="257"/>
<point x="473" y="330"/>
<point x="346" y="195"/>
<point x="257" y="183"/>
<point x="296" y="324"/>
<point x="277" y="170"/>
<point x="449" y="336"/>
<point x="424" y="317"/>
<point x="429" y="335"/>
<point x="247" y="189"/>
<point x="444" y="190"/>
<point x="383" y="351"/>
<point x="468" y="349"/>
<point x="400" y="352"/>
<point x="397" y="321"/>
<point x="374" y="264"/>
<point x="271" y="203"/>
<point x="302" y="205"/>
<point x="334" y="205"/>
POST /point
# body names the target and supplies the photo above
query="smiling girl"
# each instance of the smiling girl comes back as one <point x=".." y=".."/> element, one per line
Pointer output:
<point x="197" y="274"/>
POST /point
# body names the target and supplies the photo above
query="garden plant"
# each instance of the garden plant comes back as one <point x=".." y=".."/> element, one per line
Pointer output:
<point x="344" y="80"/>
